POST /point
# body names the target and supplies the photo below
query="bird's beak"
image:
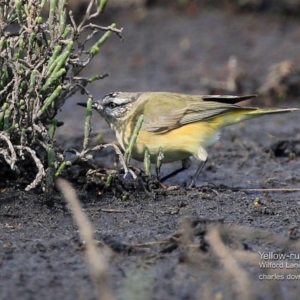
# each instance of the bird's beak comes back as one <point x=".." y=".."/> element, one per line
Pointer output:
<point x="95" y="105"/>
<point x="81" y="104"/>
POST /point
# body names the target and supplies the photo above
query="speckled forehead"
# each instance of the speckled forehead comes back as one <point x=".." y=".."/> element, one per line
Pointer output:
<point x="119" y="98"/>
<point x="108" y="98"/>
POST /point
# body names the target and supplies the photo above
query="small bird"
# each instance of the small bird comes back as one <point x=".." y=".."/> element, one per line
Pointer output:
<point x="182" y="125"/>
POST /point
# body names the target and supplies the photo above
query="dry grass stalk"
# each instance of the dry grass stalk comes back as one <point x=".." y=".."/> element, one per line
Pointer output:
<point x="96" y="260"/>
<point x="243" y="282"/>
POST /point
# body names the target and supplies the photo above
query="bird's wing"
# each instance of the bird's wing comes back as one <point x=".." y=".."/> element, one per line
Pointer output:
<point x="163" y="122"/>
<point x="195" y="111"/>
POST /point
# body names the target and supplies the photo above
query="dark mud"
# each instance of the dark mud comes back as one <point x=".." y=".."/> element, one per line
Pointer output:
<point x="245" y="191"/>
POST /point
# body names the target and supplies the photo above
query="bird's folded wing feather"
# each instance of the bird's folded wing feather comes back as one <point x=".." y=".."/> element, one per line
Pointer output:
<point x="193" y="112"/>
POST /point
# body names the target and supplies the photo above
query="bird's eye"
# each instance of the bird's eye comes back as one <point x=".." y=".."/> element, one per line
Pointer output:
<point x="112" y="105"/>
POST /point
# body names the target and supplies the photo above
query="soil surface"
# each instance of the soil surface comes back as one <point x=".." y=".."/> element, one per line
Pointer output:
<point x="205" y="239"/>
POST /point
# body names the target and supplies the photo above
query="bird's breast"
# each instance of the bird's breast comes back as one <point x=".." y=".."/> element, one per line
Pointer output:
<point x="119" y="131"/>
<point x="177" y="144"/>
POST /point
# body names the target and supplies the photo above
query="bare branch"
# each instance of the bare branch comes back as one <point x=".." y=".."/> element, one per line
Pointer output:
<point x="41" y="171"/>
<point x="10" y="159"/>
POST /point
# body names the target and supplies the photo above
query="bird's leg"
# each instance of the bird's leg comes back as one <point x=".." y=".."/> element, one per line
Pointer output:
<point x="186" y="163"/>
<point x="137" y="128"/>
<point x="160" y="157"/>
<point x="147" y="162"/>
<point x="199" y="170"/>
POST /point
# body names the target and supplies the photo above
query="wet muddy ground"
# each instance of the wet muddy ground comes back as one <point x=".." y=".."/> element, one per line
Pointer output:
<point x="206" y="239"/>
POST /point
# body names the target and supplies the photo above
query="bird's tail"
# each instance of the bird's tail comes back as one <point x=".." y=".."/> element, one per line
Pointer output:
<point x="247" y="113"/>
